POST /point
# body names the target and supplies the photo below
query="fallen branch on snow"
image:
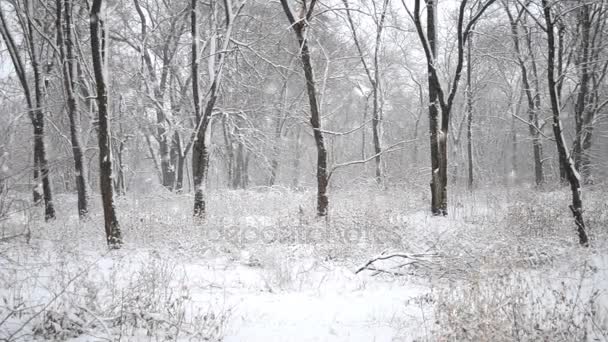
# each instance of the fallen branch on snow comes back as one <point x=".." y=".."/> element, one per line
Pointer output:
<point x="414" y="258"/>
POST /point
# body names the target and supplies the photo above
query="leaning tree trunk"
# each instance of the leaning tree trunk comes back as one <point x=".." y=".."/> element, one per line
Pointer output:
<point x="112" y="228"/>
<point x="69" y="68"/>
<point x="299" y="28"/>
<point x="572" y="175"/>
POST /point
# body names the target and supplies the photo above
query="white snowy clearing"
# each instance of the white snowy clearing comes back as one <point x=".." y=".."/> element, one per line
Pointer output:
<point x="503" y="266"/>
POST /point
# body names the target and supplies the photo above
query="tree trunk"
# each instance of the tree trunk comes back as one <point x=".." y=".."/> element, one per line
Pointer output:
<point x="375" y="82"/>
<point x="159" y="85"/>
<point x="278" y="134"/>
<point x="112" y="228"/>
<point x="40" y="155"/>
<point x="377" y="93"/>
<point x="437" y="145"/>
<point x="39" y="145"/>
<point x="572" y="175"/>
<point x="166" y="167"/>
<point x="69" y="68"/>
<point x="533" y="101"/>
<point x="581" y="106"/>
<point x="295" y="183"/>
<point x="228" y="145"/>
<point x="315" y="117"/>
<point x="200" y="161"/>
<point x="469" y="117"/>
<point x="35" y="109"/>
<point x="200" y="155"/>
<point x="179" y="184"/>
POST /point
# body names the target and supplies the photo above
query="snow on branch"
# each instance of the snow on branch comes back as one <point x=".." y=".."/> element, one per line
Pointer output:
<point x="391" y="148"/>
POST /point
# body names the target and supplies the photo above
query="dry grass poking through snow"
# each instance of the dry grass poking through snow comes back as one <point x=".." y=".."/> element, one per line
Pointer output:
<point x="507" y="267"/>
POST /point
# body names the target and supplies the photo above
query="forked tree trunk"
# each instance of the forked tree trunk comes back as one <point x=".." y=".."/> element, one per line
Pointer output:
<point x="112" y="228"/>
<point x="299" y="26"/>
<point x="533" y="101"/>
<point x="440" y="108"/>
<point x="159" y="85"/>
<point x="572" y="174"/>
<point x="200" y="153"/>
<point x="374" y="78"/>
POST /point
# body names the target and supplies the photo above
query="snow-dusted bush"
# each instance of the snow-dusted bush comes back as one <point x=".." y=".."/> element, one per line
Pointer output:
<point x="518" y="308"/>
<point x="63" y="294"/>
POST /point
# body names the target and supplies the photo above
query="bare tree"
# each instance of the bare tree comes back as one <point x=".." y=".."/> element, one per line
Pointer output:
<point x="299" y="23"/>
<point x="158" y="83"/>
<point x="591" y="70"/>
<point x="112" y="228"/>
<point x="440" y="106"/>
<point x="200" y="153"/>
<point x="572" y="174"/>
<point x="374" y="77"/>
<point x="532" y="93"/>
<point x="69" y="62"/>
<point x="35" y="103"/>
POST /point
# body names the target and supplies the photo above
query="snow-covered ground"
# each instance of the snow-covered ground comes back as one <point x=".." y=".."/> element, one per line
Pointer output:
<point x="499" y="268"/>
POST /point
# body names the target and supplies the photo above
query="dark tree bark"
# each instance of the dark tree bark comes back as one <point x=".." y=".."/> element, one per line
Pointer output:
<point x="200" y="153"/>
<point x="35" y="105"/>
<point x="572" y="174"/>
<point x="112" y="228"/>
<point x="69" y="62"/>
<point x="440" y="108"/>
<point x="299" y="24"/>
<point x="199" y="150"/>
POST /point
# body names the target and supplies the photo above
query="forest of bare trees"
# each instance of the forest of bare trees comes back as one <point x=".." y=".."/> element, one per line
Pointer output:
<point x="425" y="104"/>
<point x="171" y="89"/>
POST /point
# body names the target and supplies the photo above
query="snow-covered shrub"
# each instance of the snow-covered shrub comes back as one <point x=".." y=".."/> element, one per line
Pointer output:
<point x="156" y="300"/>
<point x="61" y="323"/>
<point x="517" y="308"/>
<point x="535" y="217"/>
